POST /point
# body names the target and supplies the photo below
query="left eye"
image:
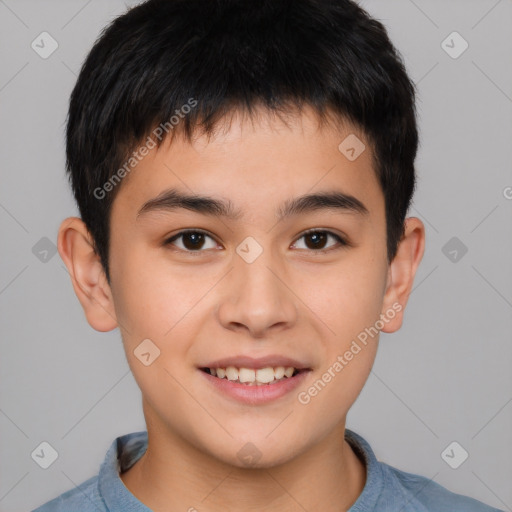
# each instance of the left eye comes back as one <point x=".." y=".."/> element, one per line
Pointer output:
<point x="316" y="240"/>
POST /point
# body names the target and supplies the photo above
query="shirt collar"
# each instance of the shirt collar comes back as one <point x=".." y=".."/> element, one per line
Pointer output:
<point x="124" y="452"/>
<point x="374" y="477"/>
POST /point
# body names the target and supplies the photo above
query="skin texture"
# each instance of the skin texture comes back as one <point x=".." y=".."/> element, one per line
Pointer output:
<point x="292" y="301"/>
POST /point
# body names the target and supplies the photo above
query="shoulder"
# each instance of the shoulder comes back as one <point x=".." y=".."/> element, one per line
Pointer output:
<point x="389" y="489"/>
<point x="102" y="492"/>
<point x="84" y="497"/>
<point x="420" y="494"/>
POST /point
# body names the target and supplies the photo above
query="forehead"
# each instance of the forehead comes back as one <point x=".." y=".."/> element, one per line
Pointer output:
<point x="256" y="163"/>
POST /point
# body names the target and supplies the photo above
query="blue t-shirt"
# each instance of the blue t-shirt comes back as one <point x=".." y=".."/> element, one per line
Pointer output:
<point x="387" y="489"/>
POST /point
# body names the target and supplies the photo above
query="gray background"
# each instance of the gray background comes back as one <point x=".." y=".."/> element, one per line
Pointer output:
<point x="445" y="376"/>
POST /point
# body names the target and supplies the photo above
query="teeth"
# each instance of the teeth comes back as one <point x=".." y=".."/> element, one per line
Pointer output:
<point x="288" y="372"/>
<point x="258" y="377"/>
<point x="279" y="372"/>
<point x="231" y="373"/>
<point x="265" y="375"/>
<point x="246" y="375"/>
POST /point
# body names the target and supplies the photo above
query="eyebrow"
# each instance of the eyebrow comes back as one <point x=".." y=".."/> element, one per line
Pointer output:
<point x="173" y="199"/>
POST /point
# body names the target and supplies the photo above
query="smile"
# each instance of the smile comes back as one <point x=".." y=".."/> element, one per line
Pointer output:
<point x="253" y="377"/>
<point x="255" y="386"/>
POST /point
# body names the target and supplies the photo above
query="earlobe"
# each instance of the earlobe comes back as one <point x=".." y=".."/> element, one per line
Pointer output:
<point x="401" y="273"/>
<point x="75" y="246"/>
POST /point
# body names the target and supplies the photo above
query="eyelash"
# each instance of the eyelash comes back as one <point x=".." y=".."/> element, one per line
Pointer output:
<point x="342" y="242"/>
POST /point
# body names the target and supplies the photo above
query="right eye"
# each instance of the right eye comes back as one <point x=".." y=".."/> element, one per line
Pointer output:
<point x="193" y="240"/>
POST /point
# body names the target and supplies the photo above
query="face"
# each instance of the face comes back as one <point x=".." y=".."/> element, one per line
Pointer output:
<point x="243" y="281"/>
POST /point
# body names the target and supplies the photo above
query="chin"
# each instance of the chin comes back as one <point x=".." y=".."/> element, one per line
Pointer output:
<point x="256" y="452"/>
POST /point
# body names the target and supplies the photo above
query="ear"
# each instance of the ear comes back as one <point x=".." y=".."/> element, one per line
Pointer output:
<point x="76" y="248"/>
<point x="401" y="273"/>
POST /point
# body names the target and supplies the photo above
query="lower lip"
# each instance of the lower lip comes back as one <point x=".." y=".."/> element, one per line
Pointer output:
<point x="253" y="394"/>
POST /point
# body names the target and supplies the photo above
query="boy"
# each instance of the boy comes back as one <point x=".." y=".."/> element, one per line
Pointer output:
<point x="243" y="172"/>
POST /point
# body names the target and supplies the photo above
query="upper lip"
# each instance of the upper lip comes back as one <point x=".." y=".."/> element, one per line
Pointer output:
<point x="256" y="362"/>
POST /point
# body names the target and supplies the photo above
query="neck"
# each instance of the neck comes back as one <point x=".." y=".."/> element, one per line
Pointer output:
<point x="173" y="475"/>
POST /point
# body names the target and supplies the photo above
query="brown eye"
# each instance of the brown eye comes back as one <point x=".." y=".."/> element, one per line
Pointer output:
<point x="192" y="241"/>
<point x="317" y="240"/>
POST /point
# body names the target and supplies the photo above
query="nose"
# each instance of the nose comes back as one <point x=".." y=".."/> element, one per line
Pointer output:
<point x="257" y="297"/>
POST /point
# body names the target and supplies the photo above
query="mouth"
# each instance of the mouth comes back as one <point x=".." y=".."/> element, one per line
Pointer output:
<point x="265" y="376"/>
<point x="255" y="381"/>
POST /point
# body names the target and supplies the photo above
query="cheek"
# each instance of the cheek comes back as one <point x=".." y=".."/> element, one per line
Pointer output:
<point x="350" y="305"/>
<point x="359" y="295"/>
<point x="164" y="305"/>
<point x="149" y="300"/>
<point x="157" y="324"/>
<point x="348" y="299"/>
